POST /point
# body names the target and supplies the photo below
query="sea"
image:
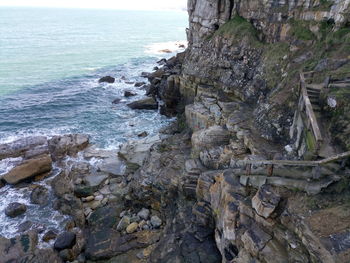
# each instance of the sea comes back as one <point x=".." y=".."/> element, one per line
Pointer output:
<point x="50" y="64"/>
<point x="51" y="60"/>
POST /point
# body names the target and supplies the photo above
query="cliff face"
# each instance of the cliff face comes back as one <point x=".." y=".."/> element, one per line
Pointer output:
<point x="240" y="81"/>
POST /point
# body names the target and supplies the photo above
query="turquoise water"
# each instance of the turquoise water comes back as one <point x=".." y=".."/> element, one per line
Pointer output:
<point x="51" y="59"/>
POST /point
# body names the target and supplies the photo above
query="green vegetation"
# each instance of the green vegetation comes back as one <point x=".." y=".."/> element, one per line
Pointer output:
<point x="240" y="28"/>
<point x="310" y="141"/>
<point x="301" y="31"/>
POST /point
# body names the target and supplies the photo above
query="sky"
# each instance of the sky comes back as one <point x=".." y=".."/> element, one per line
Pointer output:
<point x="110" y="4"/>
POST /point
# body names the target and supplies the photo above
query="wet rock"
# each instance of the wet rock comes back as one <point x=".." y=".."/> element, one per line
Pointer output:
<point x="142" y="134"/>
<point x="265" y="201"/>
<point x="19" y="147"/>
<point x="71" y="144"/>
<point x="107" y="79"/>
<point x="144" y="104"/>
<point x="15" y="209"/>
<point x="28" y="169"/>
<point x="49" y="235"/>
<point x="25" y="226"/>
<point x="145" y="74"/>
<point x="129" y="82"/>
<point x="40" y="195"/>
<point x="65" y="240"/>
<point x="144" y="214"/>
<point x="132" y="228"/>
<point x="156" y="221"/>
<point x="139" y="84"/>
<point x="116" y="101"/>
<point x="128" y="93"/>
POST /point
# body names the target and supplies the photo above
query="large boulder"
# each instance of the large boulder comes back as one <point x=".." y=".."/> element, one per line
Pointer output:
<point x="65" y="240"/>
<point x="28" y="169"/>
<point x="107" y="79"/>
<point x="70" y="144"/>
<point x="144" y="104"/>
<point x="15" y="209"/>
<point x="19" y="147"/>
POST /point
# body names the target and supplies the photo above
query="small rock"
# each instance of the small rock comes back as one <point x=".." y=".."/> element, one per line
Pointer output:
<point x="15" y="209"/>
<point x="146" y="227"/>
<point x="143" y="134"/>
<point x="156" y="221"/>
<point x="132" y="228"/>
<point x="144" y="214"/>
<point x="145" y="74"/>
<point x="107" y="79"/>
<point x="116" y="101"/>
<point x="128" y="93"/>
<point x="123" y="223"/>
<point x="88" y="199"/>
<point x="49" y="235"/>
<point x="65" y="240"/>
<point x="139" y="84"/>
<point x="129" y="82"/>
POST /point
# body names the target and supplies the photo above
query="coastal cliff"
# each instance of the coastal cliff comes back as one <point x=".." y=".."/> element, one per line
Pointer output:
<point x="254" y="169"/>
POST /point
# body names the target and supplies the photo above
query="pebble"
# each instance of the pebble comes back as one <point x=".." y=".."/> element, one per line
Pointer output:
<point x="156" y="221"/>
<point x="144" y="214"/>
<point x="132" y="227"/>
<point x="88" y="199"/>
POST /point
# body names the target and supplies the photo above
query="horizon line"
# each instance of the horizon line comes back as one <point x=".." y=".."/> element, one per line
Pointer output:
<point x="92" y="8"/>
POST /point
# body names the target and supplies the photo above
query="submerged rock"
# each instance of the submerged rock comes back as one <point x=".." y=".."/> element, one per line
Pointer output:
<point x="15" y="209"/>
<point x="128" y="93"/>
<point x="107" y="79"/>
<point x="39" y="195"/>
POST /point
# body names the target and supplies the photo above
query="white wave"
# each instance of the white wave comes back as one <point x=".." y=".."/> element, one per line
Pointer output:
<point x="166" y="47"/>
<point x="6" y="165"/>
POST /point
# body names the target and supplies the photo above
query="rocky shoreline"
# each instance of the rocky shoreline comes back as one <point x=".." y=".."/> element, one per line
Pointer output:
<point x="239" y="177"/>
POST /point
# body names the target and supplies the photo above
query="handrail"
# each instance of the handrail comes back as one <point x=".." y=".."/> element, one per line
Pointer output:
<point x="309" y="110"/>
<point x="295" y="163"/>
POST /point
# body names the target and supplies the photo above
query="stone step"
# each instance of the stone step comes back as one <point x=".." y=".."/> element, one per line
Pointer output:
<point x="313" y="91"/>
<point x="316" y="87"/>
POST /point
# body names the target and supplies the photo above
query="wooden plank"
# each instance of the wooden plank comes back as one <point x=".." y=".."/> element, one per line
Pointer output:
<point x="309" y="111"/>
<point x="335" y="158"/>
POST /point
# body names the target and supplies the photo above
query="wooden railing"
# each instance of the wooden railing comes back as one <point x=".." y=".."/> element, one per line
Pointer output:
<point x="304" y="103"/>
<point x="270" y="164"/>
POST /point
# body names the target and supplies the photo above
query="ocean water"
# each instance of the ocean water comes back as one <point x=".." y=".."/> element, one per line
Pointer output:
<point x="51" y="60"/>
